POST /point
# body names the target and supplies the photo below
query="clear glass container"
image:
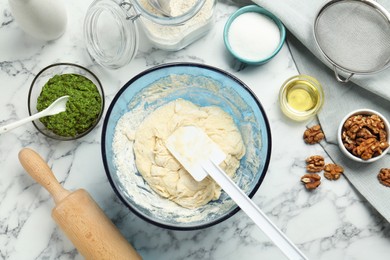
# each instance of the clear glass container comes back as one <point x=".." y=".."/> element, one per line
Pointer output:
<point x="111" y="27"/>
<point x="301" y="97"/>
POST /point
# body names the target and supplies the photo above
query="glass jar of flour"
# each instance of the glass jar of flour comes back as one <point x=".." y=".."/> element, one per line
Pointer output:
<point x="111" y="27"/>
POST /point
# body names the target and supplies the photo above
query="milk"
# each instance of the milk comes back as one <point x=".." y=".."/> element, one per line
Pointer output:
<point x="42" y="19"/>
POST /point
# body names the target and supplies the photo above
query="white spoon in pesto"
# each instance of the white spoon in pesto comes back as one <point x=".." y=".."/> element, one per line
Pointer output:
<point x="58" y="106"/>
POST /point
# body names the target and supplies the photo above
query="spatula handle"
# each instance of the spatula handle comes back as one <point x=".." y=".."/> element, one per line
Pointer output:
<point x="251" y="209"/>
<point x="38" y="169"/>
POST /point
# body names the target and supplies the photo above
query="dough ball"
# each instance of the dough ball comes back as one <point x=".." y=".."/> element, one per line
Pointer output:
<point x="163" y="172"/>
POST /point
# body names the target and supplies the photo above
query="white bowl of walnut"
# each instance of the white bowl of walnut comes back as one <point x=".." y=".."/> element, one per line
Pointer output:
<point x="363" y="135"/>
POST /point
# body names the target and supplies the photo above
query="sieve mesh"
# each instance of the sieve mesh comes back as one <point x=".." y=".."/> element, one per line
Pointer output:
<point x="354" y="36"/>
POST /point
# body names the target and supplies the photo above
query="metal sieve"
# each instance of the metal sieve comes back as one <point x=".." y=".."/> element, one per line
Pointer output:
<point x="354" y="36"/>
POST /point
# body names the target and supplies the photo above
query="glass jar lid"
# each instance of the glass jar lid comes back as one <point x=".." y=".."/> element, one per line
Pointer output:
<point x="110" y="33"/>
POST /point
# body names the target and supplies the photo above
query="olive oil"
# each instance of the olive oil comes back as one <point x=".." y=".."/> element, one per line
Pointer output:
<point x="302" y="95"/>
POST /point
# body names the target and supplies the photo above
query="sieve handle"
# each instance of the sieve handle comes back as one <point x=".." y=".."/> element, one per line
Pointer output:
<point x="339" y="78"/>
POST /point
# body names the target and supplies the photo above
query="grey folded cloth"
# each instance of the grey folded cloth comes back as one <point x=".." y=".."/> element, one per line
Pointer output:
<point x="368" y="91"/>
<point x="299" y="17"/>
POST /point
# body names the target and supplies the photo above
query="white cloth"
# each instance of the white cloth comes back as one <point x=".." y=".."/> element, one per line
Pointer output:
<point x="365" y="91"/>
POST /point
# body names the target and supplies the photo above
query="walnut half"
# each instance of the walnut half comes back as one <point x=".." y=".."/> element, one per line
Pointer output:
<point x="333" y="171"/>
<point x="313" y="135"/>
<point x="311" y="180"/>
<point x="315" y="163"/>
<point x="384" y="176"/>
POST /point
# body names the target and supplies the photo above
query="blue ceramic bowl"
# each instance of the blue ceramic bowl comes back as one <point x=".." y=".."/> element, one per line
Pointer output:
<point x="261" y="11"/>
<point x="204" y="86"/>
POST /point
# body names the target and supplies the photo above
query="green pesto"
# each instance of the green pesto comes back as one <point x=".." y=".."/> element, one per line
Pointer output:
<point x="82" y="109"/>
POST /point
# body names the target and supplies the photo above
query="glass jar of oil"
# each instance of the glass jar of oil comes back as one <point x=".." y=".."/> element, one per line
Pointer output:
<point x="301" y="97"/>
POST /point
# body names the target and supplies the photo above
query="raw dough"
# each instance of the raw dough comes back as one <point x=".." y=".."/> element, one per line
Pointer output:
<point x="163" y="172"/>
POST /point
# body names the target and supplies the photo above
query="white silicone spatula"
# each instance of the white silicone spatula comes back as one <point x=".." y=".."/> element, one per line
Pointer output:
<point x="200" y="156"/>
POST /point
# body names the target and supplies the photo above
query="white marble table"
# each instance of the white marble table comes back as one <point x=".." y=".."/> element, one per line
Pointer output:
<point x="332" y="222"/>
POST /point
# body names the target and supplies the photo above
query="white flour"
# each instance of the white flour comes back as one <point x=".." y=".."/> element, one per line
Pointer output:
<point x="179" y="7"/>
<point x="173" y="7"/>
<point x="166" y="36"/>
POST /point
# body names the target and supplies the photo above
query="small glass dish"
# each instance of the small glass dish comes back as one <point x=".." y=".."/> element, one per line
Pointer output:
<point x="238" y="33"/>
<point x="301" y="97"/>
<point x="43" y="77"/>
<point x="341" y="135"/>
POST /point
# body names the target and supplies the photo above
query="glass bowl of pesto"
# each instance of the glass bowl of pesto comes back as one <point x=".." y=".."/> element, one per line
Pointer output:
<point x="83" y="109"/>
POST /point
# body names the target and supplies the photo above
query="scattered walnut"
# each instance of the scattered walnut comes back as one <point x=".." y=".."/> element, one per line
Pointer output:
<point x="384" y="176"/>
<point x="311" y="180"/>
<point x="313" y="135"/>
<point x="333" y="171"/>
<point x="315" y="163"/>
<point x="364" y="136"/>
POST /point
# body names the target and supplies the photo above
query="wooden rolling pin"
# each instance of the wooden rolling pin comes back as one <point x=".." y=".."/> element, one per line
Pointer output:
<point x="79" y="216"/>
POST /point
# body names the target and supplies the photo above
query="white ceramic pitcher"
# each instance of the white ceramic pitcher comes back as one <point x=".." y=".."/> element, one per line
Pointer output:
<point x="42" y="19"/>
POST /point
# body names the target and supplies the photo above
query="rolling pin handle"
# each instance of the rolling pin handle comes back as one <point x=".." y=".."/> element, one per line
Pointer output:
<point x="79" y="216"/>
<point x="38" y="169"/>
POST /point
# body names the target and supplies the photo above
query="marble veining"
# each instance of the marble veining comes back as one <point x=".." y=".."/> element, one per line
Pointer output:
<point x="332" y="222"/>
